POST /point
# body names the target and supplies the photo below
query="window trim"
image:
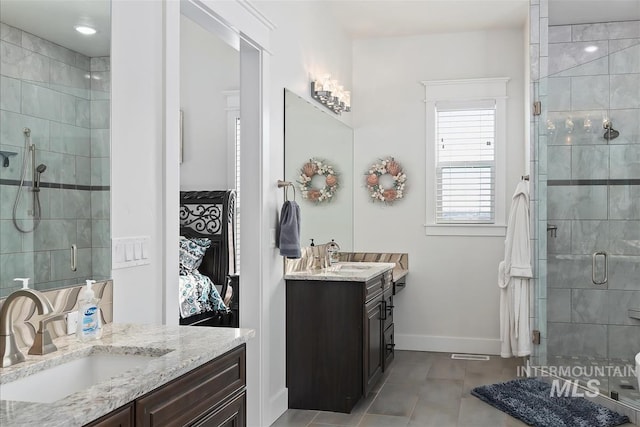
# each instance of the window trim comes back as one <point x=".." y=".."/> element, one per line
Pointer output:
<point x="466" y="90"/>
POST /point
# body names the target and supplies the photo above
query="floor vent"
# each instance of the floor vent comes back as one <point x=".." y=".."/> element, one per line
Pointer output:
<point x="478" y="357"/>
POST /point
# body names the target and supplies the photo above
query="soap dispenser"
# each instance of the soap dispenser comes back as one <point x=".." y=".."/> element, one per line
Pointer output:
<point x="333" y="250"/>
<point x="89" y="322"/>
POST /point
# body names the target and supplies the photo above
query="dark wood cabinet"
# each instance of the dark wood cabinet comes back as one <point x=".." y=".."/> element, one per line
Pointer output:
<point x="335" y="341"/>
<point x="210" y="395"/>
<point x="372" y="344"/>
<point x="121" y="417"/>
<point x="232" y="414"/>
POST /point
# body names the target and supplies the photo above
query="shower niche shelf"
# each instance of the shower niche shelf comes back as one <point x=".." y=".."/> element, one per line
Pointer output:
<point x="634" y="313"/>
<point x="5" y="157"/>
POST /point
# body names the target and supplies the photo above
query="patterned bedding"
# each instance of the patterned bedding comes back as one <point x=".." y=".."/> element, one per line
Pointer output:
<point x="198" y="295"/>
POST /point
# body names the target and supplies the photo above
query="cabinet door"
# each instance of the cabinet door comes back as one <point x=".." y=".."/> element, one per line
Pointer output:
<point x="372" y="344"/>
<point x="387" y="308"/>
<point x="121" y="417"/>
<point x="388" y="345"/>
<point x="188" y="398"/>
<point x="233" y="414"/>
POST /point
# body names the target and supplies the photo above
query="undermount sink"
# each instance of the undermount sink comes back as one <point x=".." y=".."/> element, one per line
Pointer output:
<point x="57" y="382"/>
<point x="350" y="267"/>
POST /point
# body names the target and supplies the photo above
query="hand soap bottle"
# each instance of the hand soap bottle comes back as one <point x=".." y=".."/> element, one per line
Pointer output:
<point x="89" y="322"/>
<point x="333" y="250"/>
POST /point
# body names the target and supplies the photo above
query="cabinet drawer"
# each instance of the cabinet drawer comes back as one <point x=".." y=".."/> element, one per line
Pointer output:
<point x="186" y="399"/>
<point x="388" y="279"/>
<point x="373" y="287"/>
<point x="121" y="417"/>
<point x="232" y="414"/>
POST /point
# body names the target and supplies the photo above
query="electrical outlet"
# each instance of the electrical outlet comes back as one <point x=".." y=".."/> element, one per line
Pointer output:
<point x="72" y="322"/>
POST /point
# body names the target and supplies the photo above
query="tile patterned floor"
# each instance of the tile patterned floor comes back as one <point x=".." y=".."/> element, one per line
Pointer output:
<point x="422" y="389"/>
<point x="625" y="386"/>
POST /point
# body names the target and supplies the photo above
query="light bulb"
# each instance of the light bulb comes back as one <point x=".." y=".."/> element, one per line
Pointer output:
<point x="83" y="29"/>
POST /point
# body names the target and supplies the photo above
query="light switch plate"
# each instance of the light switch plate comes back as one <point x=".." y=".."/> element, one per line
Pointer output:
<point x="130" y="251"/>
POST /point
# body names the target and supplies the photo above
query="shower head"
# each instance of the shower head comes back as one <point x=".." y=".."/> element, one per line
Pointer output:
<point x="609" y="133"/>
<point x="41" y="168"/>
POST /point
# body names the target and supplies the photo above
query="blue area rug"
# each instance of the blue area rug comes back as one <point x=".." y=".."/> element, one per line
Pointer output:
<point x="530" y="401"/>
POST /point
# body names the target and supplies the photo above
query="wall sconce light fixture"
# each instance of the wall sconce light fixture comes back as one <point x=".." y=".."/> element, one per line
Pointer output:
<point x="333" y="96"/>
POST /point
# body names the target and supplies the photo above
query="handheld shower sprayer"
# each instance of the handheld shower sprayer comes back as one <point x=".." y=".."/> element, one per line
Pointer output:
<point x="39" y="170"/>
<point x="29" y="151"/>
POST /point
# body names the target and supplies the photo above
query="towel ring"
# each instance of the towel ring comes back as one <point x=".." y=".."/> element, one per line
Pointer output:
<point x="286" y="192"/>
<point x="286" y="185"/>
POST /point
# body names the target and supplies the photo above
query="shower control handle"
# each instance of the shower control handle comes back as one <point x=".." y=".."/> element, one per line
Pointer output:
<point x="74" y="257"/>
<point x="594" y="264"/>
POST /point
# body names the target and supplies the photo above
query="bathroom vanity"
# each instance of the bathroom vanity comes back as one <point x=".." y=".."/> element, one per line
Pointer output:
<point x="339" y="334"/>
<point x="185" y="376"/>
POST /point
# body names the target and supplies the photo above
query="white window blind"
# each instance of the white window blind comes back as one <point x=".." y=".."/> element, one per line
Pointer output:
<point x="237" y="182"/>
<point x="465" y="162"/>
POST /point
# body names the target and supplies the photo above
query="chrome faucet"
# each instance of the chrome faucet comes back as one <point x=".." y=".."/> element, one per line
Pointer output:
<point x="9" y="350"/>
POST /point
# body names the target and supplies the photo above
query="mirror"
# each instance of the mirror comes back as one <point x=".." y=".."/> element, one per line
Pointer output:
<point x="312" y="133"/>
<point x="54" y="138"/>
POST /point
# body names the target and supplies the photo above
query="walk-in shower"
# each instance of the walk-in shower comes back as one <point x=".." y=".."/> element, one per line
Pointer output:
<point x="54" y="147"/>
<point x="586" y="159"/>
<point x="36" y="210"/>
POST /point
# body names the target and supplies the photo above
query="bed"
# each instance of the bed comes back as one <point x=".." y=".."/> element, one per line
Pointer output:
<point x="208" y="259"/>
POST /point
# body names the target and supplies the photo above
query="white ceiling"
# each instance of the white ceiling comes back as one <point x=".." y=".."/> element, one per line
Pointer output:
<point x="55" y="20"/>
<point x="588" y="11"/>
<point x="391" y="18"/>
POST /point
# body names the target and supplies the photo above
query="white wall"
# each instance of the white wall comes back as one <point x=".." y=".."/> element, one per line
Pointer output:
<point x="137" y="154"/>
<point x="301" y="45"/>
<point x="451" y="302"/>
<point x="208" y="66"/>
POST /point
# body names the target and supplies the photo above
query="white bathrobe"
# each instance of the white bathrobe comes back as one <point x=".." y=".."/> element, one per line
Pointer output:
<point x="513" y="279"/>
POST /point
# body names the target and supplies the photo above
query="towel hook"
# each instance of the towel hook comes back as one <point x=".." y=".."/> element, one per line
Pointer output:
<point x="286" y="185"/>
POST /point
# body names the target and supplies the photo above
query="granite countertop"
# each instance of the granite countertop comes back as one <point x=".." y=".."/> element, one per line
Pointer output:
<point x="176" y="350"/>
<point x="343" y="272"/>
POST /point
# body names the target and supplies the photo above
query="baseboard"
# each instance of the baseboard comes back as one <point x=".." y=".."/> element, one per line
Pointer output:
<point x="278" y="404"/>
<point x="447" y="344"/>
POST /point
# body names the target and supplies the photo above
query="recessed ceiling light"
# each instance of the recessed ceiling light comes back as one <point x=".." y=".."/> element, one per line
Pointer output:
<point x="83" y="29"/>
<point x="591" y="48"/>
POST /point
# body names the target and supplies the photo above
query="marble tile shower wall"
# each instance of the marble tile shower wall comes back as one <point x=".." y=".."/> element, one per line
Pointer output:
<point x="63" y="97"/>
<point x="593" y="191"/>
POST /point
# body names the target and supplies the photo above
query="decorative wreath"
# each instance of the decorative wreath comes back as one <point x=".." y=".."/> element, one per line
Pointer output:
<point x="318" y="167"/>
<point x="387" y="166"/>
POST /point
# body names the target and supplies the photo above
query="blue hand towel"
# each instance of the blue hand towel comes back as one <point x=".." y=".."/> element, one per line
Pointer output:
<point x="289" y="231"/>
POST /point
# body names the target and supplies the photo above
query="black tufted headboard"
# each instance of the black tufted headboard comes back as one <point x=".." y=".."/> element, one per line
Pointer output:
<point x="211" y="214"/>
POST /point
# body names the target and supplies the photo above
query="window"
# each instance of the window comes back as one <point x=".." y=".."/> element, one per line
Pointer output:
<point x="237" y="186"/>
<point x="233" y="158"/>
<point x="465" y="163"/>
<point x="466" y="132"/>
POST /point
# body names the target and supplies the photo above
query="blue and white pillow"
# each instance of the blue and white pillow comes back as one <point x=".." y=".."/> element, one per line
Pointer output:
<point x="191" y="253"/>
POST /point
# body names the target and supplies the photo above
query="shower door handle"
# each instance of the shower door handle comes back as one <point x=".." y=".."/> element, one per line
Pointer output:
<point x="74" y="257"/>
<point x="594" y="265"/>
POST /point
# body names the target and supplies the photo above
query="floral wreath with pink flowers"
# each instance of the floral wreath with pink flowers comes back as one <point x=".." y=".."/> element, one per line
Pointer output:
<point x="390" y="191"/>
<point x="324" y="193"/>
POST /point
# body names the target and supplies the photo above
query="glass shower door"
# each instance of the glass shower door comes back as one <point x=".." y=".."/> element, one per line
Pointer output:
<point x="592" y="135"/>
